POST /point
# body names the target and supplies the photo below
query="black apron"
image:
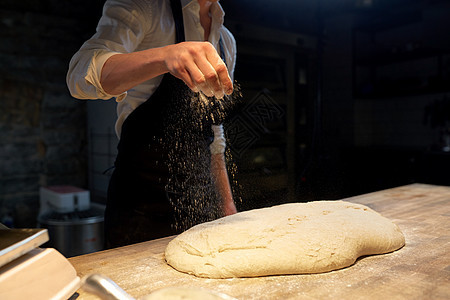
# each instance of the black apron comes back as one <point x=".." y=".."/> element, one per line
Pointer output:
<point x="161" y="184"/>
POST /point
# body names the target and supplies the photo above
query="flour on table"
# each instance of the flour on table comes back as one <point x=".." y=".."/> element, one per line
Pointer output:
<point x="186" y="293"/>
<point x="294" y="238"/>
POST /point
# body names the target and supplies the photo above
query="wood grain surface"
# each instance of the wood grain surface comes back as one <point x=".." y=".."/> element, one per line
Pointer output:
<point x="420" y="270"/>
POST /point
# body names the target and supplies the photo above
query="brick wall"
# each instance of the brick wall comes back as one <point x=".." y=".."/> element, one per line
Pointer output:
<point x="42" y="128"/>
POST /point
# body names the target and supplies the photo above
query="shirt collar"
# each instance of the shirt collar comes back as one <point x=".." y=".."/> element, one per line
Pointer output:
<point x="216" y="9"/>
<point x="186" y="2"/>
<point x="217" y="12"/>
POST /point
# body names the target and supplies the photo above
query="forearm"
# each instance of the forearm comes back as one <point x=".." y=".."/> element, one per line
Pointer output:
<point x="220" y="176"/>
<point x="122" y="72"/>
<point x="196" y="63"/>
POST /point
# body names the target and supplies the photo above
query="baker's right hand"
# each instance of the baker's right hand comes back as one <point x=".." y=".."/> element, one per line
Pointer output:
<point x="199" y="65"/>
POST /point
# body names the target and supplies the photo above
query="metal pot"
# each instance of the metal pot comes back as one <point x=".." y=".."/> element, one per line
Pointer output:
<point x="75" y="233"/>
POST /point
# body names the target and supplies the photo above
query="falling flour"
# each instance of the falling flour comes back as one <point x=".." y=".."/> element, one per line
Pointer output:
<point x="191" y="189"/>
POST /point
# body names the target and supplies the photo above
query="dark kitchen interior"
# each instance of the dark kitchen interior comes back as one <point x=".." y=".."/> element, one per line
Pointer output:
<point x="340" y="98"/>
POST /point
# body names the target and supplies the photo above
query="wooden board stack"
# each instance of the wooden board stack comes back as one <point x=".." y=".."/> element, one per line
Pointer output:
<point x="30" y="272"/>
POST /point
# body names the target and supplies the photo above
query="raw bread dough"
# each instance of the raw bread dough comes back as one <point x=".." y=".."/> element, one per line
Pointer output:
<point x="293" y="238"/>
<point x="186" y="293"/>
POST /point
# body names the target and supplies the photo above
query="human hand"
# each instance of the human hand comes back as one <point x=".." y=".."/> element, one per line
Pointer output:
<point x="199" y="65"/>
<point x="229" y="208"/>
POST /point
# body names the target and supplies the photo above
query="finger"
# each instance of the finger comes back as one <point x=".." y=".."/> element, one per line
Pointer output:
<point x="222" y="72"/>
<point x="219" y="94"/>
<point x="192" y="76"/>
<point x="206" y="89"/>
<point x="225" y="80"/>
<point x="198" y="80"/>
<point x="210" y="75"/>
<point x="186" y="77"/>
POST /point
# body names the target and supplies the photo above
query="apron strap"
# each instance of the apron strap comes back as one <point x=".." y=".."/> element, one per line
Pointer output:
<point x="178" y="18"/>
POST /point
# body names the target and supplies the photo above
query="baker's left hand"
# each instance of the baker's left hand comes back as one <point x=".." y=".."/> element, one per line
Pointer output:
<point x="229" y="208"/>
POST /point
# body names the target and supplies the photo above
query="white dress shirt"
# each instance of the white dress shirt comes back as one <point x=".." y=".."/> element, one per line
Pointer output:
<point x="134" y="25"/>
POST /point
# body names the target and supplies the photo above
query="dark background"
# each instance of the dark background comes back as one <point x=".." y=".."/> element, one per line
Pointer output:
<point x="340" y="98"/>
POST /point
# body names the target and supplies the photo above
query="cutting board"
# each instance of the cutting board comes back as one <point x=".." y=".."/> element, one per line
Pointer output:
<point x="420" y="270"/>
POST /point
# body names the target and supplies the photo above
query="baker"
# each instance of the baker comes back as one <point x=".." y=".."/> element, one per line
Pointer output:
<point x="168" y="64"/>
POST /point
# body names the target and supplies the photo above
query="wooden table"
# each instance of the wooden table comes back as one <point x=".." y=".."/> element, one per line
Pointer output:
<point x="420" y="270"/>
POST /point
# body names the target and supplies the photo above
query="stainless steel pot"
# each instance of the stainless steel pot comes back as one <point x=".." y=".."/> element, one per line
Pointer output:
<point x="75" y="233"/>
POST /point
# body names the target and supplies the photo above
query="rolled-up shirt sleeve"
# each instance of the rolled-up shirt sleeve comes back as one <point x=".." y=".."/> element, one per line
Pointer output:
<point x="219" y="144"/>
<point x="120" y="30"/>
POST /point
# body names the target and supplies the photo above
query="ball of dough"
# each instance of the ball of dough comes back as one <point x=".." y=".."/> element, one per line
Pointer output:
<point x="294" y="238"/>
